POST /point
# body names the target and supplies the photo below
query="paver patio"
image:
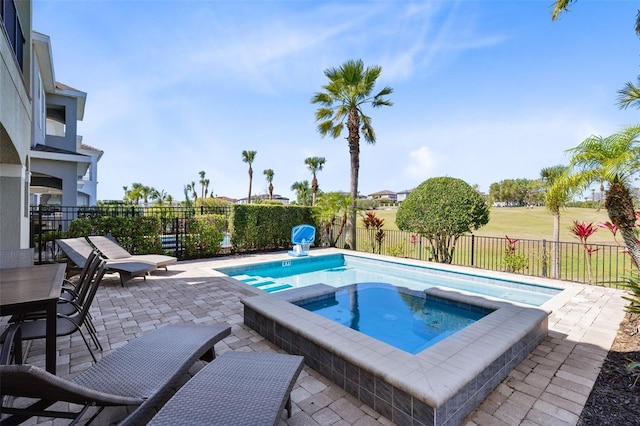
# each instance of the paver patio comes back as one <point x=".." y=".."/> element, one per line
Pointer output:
<point x="550" y="387"/>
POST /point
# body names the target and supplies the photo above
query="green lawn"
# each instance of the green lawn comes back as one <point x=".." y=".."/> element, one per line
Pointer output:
<point x="523" y="223"/>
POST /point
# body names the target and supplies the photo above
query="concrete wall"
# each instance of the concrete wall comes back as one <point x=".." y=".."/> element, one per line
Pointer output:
<point x="67" y="142"/>
<point x="15" y="138"/>
<point x="64" y="170"/>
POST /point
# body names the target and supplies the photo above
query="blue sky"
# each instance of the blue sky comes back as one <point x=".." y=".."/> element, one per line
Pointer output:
<point x="483" y="90"/>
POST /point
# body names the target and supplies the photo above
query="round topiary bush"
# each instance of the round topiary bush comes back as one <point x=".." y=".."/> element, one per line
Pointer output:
<point x="442" y="209"/>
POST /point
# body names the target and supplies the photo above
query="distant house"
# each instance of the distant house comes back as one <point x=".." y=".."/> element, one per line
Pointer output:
<point x="264" y="197"/>
<point x="226" y="200"/>
<point x="402" y="195"/>
<point x="383" y="195"/>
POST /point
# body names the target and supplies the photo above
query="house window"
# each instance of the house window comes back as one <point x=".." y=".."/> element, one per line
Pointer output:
<point x="13" y="29"/>
<point x="56" y="120"/>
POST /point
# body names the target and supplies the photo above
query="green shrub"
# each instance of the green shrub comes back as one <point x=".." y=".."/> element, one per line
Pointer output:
<point x="441" y="210"/>
<point x="264" y="226"/>
<point x="204" y="235"/>
<point x="137" y="234"/>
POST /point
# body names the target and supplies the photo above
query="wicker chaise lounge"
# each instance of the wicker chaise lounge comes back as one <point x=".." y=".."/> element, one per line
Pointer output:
<point x="79" y="250"/>
<point x="237" y="389"/>
<point x="142" y="373"/>
<point x="113" y="251"/>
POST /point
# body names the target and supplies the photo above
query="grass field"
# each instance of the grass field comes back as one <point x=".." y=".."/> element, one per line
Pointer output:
<point x="524" y="223"/>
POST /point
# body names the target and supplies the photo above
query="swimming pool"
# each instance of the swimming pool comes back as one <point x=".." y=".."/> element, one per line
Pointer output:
<point x="409" y="321"/>
<point x="338" y="270"/>
<point x="439" y="385"/>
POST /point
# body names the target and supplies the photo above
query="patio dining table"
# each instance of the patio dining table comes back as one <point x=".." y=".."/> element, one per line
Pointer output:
<point x="32" y="289"/>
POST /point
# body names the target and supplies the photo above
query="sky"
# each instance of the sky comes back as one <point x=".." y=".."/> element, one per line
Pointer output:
<point x="482" y="90"/>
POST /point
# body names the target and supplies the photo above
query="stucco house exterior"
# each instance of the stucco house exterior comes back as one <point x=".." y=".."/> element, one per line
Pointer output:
<point x="42" y="158"/>
<point x="383" y="195"/>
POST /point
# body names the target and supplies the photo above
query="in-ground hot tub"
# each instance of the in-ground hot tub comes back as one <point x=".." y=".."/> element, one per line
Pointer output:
<point x="438" y="386"/>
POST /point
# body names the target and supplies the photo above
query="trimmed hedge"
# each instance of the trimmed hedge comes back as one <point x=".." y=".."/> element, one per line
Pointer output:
<point x="204" y="235"/>
<point x="137" y="234"/>
<point x="266" y="227"/>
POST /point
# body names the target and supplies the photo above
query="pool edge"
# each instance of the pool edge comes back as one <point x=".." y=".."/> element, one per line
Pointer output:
<point x="438" y="386"/>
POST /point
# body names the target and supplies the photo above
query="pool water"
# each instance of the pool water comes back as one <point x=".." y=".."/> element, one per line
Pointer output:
<point x="409" y="322"/>
<point x="338" y="270"/>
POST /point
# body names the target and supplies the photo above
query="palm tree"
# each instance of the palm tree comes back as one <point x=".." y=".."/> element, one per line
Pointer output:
<point x="206" y="187"/>
<point x="350" y="87"/>
<point x="248" y="157"/>
<point x="269" y="175"/>
<point x="554" y="200"/>
<point x="315" y="165"/>
<point x="136" y="192"/>
<point x="146" y="192"/>
<point x="616" y="160"/>
<point x="630" y="94"/>
<point x="193" y="189"/>
<point x="302" y="192"/>
<point x="202" y="182"/>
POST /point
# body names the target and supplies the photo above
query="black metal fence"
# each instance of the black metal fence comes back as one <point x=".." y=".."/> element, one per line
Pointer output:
<point x="606" y="264"/>
<point x="51" y="222"/>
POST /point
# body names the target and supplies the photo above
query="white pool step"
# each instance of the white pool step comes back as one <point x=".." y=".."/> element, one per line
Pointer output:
<point x="263" y="283"/>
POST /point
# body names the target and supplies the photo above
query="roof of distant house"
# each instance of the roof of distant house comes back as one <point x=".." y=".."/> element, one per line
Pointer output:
<point x="383" y="192"/>
<point x="226" y="199"/>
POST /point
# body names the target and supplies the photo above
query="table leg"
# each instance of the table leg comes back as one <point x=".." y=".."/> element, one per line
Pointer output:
<point x="50" y="350"/>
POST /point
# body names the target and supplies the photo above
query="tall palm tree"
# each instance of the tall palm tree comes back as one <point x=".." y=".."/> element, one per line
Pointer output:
<point x="202" y="183"/>
<point x="193" y="189"/>
<point x="206" y="183"/>
<point x="248" y="157"/>
<point x="269" y="175"/>
<point x="616" y="160"/>
<point x="554" y="200"/>
<point x="315" y="165"/>
<point x="350" y="87"/>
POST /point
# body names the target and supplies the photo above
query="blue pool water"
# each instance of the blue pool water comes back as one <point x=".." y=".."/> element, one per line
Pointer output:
<point x="338" y="270"/>
<point x="408" y="322"/>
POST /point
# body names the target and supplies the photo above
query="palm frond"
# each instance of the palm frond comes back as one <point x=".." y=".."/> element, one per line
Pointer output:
<point x="325" y="127"/>
<point x="368" y="132"/>
<point x="324" y="114"/>
<point x="336" y="130"/>
<point x="630" y="94"/>
<point x="560" y="6"/>
<point x="322" y="98"/>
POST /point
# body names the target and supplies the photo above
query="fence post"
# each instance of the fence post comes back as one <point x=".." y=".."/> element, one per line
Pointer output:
<point x="176" y="226"/>
<point x="420" y="247"/>
<point x="544" y="258"/>
<point x="473" y="249"/>
<point x="40" y="233"/>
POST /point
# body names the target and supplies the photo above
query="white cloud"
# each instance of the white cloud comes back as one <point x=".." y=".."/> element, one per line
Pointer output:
<point x="423" y="163"/>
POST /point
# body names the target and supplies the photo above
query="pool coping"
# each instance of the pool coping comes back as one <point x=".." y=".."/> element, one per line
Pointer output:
<point x="438" y="386"/>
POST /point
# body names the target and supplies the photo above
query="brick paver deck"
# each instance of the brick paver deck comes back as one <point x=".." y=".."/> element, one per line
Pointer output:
<point x="550" y="387"/>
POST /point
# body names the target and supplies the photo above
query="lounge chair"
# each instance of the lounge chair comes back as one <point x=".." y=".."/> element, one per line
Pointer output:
<point x="142" y="373"/>
<point x="302" y="236"/>
<point x="113" y="251"/>
<point x="79" y="250"/>
<point x="237" y="389"/>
